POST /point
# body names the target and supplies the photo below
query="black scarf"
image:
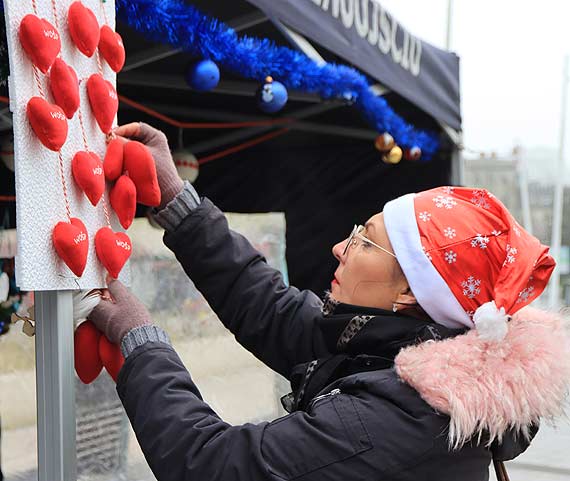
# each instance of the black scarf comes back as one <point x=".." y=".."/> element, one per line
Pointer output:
<point x="359" y="339"/>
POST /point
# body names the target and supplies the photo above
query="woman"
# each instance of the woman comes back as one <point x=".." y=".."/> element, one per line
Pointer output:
<point x="407" y="371"/>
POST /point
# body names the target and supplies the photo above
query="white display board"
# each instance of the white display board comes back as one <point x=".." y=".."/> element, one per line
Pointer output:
<point x="39" y="193"/>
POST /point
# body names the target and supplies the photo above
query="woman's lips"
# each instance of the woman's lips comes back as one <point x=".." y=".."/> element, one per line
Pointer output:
<point x="334" y="282"/>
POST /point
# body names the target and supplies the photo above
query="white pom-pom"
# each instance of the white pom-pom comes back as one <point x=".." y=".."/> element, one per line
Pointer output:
<point x="491" y="323"/>
<point x="84" y="302"/>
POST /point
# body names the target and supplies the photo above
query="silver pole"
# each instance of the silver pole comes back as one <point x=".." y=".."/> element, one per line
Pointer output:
<point x="55" y="386"/>
<point x="554" y="297"/>
<point x="449" y="24"/>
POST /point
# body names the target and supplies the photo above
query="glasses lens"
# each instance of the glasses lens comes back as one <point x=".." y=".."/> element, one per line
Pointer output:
<point x="349" y="240"/>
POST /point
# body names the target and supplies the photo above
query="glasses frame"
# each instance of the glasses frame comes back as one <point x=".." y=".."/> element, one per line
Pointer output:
<point x="356" y="233"/>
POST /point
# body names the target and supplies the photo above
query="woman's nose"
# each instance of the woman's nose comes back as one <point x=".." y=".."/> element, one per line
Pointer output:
<point x="338" y="249"/>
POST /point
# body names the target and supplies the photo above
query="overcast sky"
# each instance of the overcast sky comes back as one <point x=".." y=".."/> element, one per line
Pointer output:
<point x="512" y="56"/>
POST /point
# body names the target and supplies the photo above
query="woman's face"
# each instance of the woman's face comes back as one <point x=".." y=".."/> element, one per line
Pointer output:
<point x="366" y="275"/>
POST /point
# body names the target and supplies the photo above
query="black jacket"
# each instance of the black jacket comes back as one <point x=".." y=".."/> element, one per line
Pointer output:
<point x="366" y="425"/>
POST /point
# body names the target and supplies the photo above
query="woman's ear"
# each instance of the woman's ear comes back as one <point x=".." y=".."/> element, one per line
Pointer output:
<point x="406" y="297"/>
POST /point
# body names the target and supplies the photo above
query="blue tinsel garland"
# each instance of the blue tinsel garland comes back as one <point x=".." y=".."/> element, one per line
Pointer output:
<point x="183" y="26"/>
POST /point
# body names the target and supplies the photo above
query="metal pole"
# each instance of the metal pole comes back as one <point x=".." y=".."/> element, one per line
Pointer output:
<point x="449" y="24"/>
<point x="554" y="298"/>
<point x="55" y="386"/>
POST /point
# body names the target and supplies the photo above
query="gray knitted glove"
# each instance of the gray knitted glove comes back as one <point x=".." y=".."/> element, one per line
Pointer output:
<point x="168" y="179"/>
<point x="116" y="317"/>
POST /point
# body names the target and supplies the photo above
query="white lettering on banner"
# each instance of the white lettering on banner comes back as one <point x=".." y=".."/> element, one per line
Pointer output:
<point x="347" y="13"/>
<point x="361" y="17"/>
<point x="373" y="31"/>
<point x="385" y="36"/>
<point x="80" y="238"/>
<point x="124" y="245"/>
<point x="97" y="171"/>
<point x="57" y="115"/>
<point x="396" y="52"/>
<point x="51" y="34"/>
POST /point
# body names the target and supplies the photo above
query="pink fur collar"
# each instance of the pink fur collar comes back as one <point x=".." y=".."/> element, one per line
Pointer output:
<point x="491" y="387"/>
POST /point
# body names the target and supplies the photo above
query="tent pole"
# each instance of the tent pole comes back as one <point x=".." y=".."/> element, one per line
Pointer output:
<point x="55" y="388"/>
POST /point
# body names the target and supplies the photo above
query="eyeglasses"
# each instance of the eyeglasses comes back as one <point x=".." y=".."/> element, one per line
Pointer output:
<point x="356" y="234"/>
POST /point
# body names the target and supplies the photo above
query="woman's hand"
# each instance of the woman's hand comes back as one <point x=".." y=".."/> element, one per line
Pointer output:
<point x="168" y="179"/>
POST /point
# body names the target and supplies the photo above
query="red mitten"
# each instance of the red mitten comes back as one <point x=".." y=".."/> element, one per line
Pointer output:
<point x="123" y="199"/>
<point x="49" y="123"/>
<point x="112" y="48"/>
<point x="83" y="28"/>
<point x="87" y="171"/>
<point x="104" y="101"/>
<point x="64" y="87"/>
<point x="113" y="163"/>
<point x="111" y="356"/>
<point x="113" y="249"/>
<point x="71" y="243"/>
<point x="40" y="40"/>
<point x="88" y="363"/>
<point x="139" y="164"/>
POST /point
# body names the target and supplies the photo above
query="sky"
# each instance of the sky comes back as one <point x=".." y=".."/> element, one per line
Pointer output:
<point x="512" y="57"/>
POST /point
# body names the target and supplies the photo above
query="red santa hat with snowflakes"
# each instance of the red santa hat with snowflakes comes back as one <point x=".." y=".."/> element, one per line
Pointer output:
<point x="467" y="260"/>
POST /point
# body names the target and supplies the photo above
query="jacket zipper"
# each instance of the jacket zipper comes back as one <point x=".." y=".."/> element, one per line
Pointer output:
<point x="334" y="392"/>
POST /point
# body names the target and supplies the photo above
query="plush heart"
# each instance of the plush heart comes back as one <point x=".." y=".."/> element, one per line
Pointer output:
<point x="87" y="170"/>
<point x="104" y="101"/>
<point x="71" y="243"/>
<point x="40" y="40"/>
<point x="48" y="122"/>
<point x="83" y="28"/>
<point x="123" y="199"/>
<point x="88" y="363"/>
<point x="64" y="87"/>
<point x="113" y="163"/>
<point x="139" y="164"/>
<point x="113" y="249"/>
<point x="111" y="357"/>
<point x="112" y="48"/>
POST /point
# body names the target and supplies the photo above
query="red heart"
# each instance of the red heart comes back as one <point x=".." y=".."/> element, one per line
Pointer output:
<point x="104" y="101"/>
<point x="49" y="123"/>
<point x="111" y="356"/>
<point x="64" y="87"/>
<point x="113" y="249"/>
<point x="123" y="199"/>
<point x="71" y="243"/>
<point x="83" y="28"/>
<point x="87" y="171"/>
<point x="112" y="48"/>
<point x="40" y="40"/>
<point x="140" y="166"/>
<point x="88" y="363"/>
<point x="114" y="159"/>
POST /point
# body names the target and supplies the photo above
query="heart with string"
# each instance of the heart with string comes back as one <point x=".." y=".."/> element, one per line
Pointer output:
<point x="111" y="48"/>
<point x="71" y="243"/>
<point x="40" y="40"/>
<point x="83" y="28"/>
<point x="87" y="170"/>
<point x="113" y="250"/>
<point x="111" y="357"/>
<point x="123" y="198"/>
<point x="113" y="162"/>
<point x="64" y="87"/>
<point x="88" y="364"/>
<point x="48" y="121"/>
<point x="104" y="101"/>
<point x="141" y="168"/>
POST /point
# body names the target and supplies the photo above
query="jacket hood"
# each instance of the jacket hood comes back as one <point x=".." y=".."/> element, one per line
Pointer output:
<point x="490" y="388"/>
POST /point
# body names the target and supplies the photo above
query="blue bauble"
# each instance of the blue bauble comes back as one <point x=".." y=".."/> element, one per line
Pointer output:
<point x="203" y="76"/>
<point x="271" y="96"/>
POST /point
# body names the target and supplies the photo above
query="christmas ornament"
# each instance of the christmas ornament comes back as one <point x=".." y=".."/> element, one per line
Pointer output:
<point x="40" y="40"/>
<point x="48" y="122"/>
<point x="71" y="243"/>
<point x="384" y="142"/>
<point x="88" y="363"/>
<point x="139" y="164"/>
<point x="7" y="151"/>
<point x="272" y="96"/>
<point x="111" y="357"/>
<point x="123" y="198"/>
<point x="103" y="100"/>
<point x="113" y="163"/>
<point x="64" y="87"/>
<point x="187" y="165"/>
<point x="87" y="170"/>
<point x="203" y="76"/>
<point x="83" y="28"/>
<point x="394" y="156"/>
<point x="413" y="154"/>
<point x="112" y="48"/>
<point x="113" y="250"/>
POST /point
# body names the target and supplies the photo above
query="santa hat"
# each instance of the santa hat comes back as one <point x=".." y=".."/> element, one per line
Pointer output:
<point x="466" y="259"/>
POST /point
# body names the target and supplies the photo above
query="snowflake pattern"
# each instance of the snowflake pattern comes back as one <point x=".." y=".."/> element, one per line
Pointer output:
<point x="449" y="232"/>
<point x="451" y="257"/>
<point x="480" y="199"/>
<point x="428" y="255"/>
<point x="525" y="294"/>
<point x="517" y="231"/>
<point x="448" y="190"/>
<point x="496" y="233"/>
<point x="471" y="287"/>
<point x="480" y="241"/>
<point x="511" y="253"/>
<point x="425" y="216"/>
<point x="442" y="201"/>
